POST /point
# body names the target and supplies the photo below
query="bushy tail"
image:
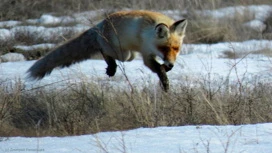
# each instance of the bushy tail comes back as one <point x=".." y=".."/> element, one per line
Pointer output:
<point x="76" y="50"/>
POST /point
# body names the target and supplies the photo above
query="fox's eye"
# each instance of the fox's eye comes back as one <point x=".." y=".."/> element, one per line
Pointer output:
<point x="175" y="49"/>
<point x="164" y="48"/>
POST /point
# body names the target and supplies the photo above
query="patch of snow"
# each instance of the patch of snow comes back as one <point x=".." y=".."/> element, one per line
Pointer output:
<point x="5" y="35"/>
<point x="89" y="17"/>
<point x="12" y="57"/>
<point x="174" y="14"/>
<point x="10" y="23"/>
<point x="32" y="21"/>
<point x="260" y="12"/>
<point x="41" y="32"/>
<point x="29" y="30"/>
<point x="217" y="50"/>
<point x="47" y="34"/>
<point x="203" y="60"/>
<point x="227" y="12"/>
<point x="81" y="18"/>
<point x="49" y="19"/>
<point x="256" y="25"/>
<point x="35" y="47"/>
<point x="191" y="139"/>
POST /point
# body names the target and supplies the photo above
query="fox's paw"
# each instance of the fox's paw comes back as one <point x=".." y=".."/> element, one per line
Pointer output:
<point x="110" y="71"/>
<point x="163" y="78"/>
<point x="165" y="85"/>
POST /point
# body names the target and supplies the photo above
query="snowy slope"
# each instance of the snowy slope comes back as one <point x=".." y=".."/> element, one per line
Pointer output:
<point x="195" y="66"/>
<point x="197" y="62"/>
<point x="185" y="139"/>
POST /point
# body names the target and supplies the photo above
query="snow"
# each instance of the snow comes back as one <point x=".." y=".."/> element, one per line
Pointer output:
<point x="260" y="12"/>
<point x="196" y="62"/>
<point x="49" y="19"/>
<point x="82" y="18"/>
<point x="5" y="34"/>
<point x="47" y="33"/>
<point x="12" y="57"/>
<point x="217" y="50"/>
<point x="88" y="17"/>
<point x="200" y="61"/>
<point x="35" y="47"/>
<point x="10" y="23"/>
<point x="256" y="25"/>
<point x="184" y="139"/>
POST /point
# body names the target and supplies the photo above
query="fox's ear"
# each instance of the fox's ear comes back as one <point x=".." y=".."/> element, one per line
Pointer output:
<point x="179" y="26"/>
<point x="162" y="30"/>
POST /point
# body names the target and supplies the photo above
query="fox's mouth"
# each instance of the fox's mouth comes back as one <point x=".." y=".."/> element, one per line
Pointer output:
<point x="167" y="66"/>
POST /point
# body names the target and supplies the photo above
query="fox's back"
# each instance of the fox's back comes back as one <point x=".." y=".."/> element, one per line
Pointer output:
<point x="148" y="16"/>
<point x="126" y="28"/>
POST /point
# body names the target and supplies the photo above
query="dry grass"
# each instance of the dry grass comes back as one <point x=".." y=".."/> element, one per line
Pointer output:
<point x="89" y="108"/>
<point x="267" y="33"/>
<point x="233" y="55"/>
<point x="25" y="9"/>
<point x="203" y="29"/>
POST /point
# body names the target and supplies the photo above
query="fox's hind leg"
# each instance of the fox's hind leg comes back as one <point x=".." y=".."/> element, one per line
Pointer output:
<point x="111" y="69"/>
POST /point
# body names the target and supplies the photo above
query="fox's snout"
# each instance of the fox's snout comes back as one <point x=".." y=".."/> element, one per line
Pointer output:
<point x="169" y="65"/>
<point x="169" y="55"/>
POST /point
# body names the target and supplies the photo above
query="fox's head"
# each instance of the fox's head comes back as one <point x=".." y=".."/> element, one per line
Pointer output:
<point x="169" y="41"/>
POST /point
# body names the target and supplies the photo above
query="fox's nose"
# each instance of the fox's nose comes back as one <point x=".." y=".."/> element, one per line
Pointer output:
<point x="169" y="65"/>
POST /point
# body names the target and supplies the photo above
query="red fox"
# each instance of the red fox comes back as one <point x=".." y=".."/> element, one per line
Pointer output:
<point x="119" y="37"/>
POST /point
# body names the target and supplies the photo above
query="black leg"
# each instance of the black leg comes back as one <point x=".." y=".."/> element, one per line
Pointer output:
<point x="160" y="70"/>
<point x="163" y="78"/>
<point x="111" y="69"/>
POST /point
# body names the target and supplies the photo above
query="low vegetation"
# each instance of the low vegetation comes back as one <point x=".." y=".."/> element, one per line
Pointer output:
<point x="26" y="9"/>
<point x="90" y="107"/>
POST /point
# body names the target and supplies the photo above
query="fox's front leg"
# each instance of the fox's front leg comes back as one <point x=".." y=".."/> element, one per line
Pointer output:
<point x="163" y="77"/>
<point x="159" y="69"/>
<point x="111" y="69"/>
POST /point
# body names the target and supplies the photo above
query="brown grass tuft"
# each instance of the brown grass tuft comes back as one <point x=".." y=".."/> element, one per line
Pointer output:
<point x="89" y="107"/>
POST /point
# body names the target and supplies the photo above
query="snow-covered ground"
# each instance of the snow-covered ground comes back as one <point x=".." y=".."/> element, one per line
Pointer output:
<point x="186" y="139"/>
<point x="196" y="63"/>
